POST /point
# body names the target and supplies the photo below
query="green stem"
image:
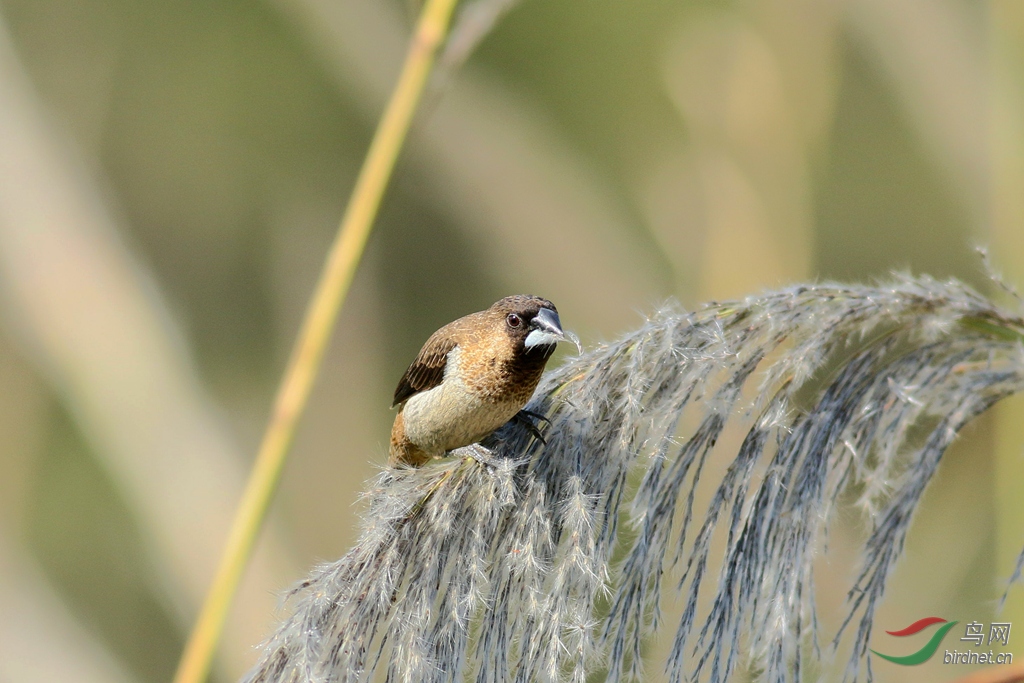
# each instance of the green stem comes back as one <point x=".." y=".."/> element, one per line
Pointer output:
<point x="321" y="313"/>
<point x="992" y="329"/>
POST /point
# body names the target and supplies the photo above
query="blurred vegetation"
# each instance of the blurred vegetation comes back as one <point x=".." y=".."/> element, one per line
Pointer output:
<point x="194" y="159"/>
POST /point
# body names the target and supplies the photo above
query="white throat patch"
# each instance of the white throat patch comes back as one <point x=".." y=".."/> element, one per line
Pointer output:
<point x="541" y="338"/>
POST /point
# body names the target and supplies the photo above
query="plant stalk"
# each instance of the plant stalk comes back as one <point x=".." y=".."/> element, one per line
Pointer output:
<point x="304" y="363"/>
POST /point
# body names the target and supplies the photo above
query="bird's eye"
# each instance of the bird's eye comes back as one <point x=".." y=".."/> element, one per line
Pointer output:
<point x="513" y="320"/>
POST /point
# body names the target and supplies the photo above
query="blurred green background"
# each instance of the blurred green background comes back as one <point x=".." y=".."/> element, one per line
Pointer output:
<point x="171" y="174"/>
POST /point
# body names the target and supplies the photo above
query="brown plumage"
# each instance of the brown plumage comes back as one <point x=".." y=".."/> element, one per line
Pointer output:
<point x="472" y="376"/>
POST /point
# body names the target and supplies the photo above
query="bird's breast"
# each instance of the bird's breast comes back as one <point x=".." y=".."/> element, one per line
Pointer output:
<point x="496" y="372"/>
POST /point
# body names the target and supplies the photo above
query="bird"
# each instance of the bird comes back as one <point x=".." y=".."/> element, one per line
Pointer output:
<point x="471" y="377"/>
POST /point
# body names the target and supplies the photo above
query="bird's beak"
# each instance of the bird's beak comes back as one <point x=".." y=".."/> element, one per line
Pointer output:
<point x="545" y="329"/>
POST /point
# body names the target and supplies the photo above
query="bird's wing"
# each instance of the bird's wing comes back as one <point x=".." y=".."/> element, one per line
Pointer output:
<point x="427" y="371"/>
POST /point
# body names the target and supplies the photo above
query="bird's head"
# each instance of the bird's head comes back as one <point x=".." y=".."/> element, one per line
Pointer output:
<point x="531" y="323"/>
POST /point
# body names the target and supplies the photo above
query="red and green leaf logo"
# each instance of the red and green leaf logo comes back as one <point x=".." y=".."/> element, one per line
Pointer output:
<point x="925" y="653"/>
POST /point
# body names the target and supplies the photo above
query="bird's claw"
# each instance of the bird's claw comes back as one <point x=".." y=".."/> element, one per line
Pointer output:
<point x="534" y="416"/>
<point x="526" y="417"/>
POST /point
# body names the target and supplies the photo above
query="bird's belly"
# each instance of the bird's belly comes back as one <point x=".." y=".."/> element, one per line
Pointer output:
<point x="449" y="416"/>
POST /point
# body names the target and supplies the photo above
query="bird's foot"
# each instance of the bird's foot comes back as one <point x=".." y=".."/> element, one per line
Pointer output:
<point x="526" y="418"/>
<point x="481" y="454"/>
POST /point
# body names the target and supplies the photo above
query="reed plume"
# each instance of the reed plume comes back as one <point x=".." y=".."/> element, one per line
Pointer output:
<point x="548" y="561"/>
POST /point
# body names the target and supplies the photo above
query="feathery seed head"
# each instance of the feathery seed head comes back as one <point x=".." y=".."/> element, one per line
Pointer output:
<point x="528" y="561"/>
